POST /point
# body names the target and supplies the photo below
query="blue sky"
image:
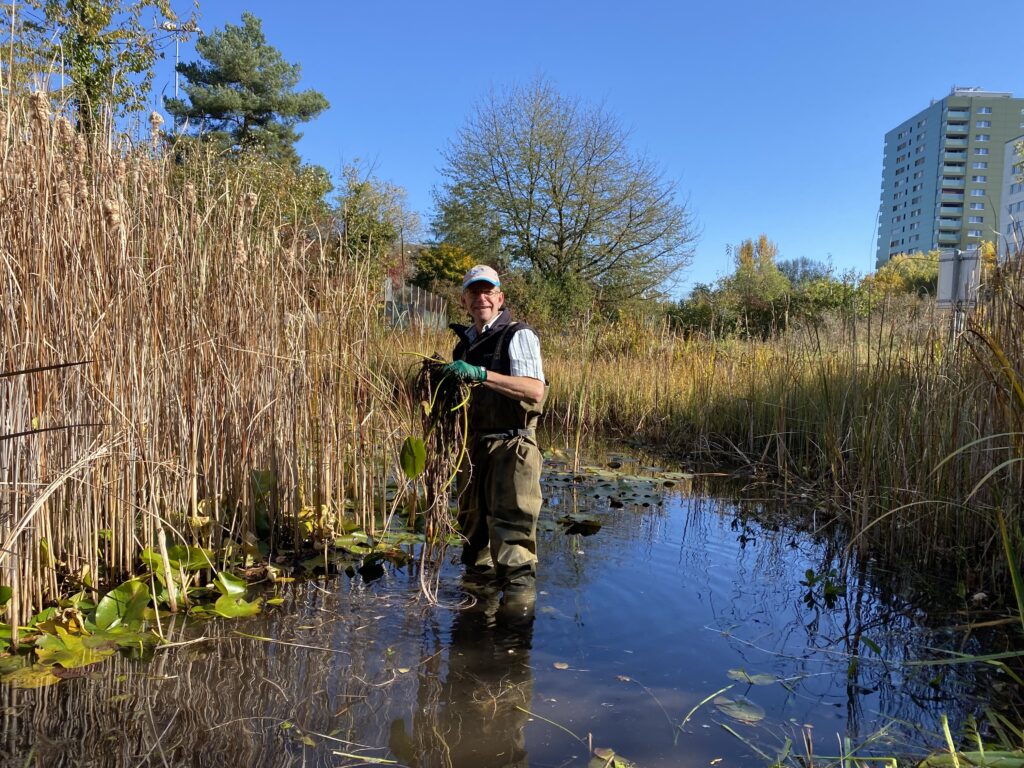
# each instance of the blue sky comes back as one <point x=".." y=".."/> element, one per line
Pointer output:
<point x="769" y="117"/>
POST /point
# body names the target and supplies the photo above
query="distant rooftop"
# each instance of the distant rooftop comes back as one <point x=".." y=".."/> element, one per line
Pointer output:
<point x="959" y="90"/>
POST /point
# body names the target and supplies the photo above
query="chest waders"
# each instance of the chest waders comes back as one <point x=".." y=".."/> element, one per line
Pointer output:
<point x="499" y="485"/>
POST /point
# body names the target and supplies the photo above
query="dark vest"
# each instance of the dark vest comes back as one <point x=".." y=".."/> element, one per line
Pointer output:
<point x="490" y="411"/>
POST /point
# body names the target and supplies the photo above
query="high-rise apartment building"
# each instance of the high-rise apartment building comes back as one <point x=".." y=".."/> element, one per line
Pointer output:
<point x="942" y="173"/>
<point x="1011" y="218"/>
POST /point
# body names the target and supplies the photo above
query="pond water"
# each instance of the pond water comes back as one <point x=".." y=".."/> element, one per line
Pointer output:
<point x="673" y="626"/>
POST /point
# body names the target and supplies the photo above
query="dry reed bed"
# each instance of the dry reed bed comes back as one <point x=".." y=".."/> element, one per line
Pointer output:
<point x="898" y="421"/>
<point x="221" y="339"/>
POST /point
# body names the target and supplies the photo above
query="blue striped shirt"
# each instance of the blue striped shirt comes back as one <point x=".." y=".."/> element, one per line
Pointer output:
<point x="523" y="352"/>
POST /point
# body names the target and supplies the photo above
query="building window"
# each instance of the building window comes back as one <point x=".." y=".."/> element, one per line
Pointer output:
<point x="977" y="206"/>
<point x="916" y="188"/>
<point x="915" y="200"/>
<point x="975" y="219"/>
<point x="979" y="179"/>
<point x="980" y="165"/>
<point x="974" y="233"/>
<point x="982" y="137"/>
<point x="983" y="124"/>
<point x="977" y="193"/>
<point x="985" y="111"/>
<point x="981" y="150"/>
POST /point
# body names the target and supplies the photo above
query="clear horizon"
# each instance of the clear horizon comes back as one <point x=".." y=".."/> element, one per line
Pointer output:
<point x="767" y="120"/>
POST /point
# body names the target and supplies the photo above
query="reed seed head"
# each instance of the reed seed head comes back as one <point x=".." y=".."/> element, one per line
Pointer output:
<point x="111" y="214"/>
<point x="40" y="104"/>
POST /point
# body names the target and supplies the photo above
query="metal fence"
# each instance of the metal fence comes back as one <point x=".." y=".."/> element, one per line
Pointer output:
<point x="408" y="306"/>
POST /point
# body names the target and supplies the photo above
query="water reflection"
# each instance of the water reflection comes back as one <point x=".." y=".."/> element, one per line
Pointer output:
<point x="635" y="625"/>
<point x="475" y="715"/>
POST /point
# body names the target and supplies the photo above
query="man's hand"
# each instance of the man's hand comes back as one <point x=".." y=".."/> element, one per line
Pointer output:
<point x="463" y="371"/>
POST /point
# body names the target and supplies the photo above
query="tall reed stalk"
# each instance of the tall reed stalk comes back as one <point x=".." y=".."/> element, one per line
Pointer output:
<point x="237" y="383"/>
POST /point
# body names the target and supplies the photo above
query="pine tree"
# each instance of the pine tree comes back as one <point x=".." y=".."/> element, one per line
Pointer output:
<point x="242" y="95"/>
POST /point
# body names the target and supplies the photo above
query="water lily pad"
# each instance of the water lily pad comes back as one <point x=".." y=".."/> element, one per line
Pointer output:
<point x="125" y="604"/>
<point x="413" y="457"/>
<point x="234" y="606"/>
<point x="36" y="676"/>
<point x="71" y="651"/>
<point x="580" y="524"/>
<point x="741" y="708"/>
<point x="606" y="758"/>
<point x="742" y="676"/>
<point x="229" y="584"/>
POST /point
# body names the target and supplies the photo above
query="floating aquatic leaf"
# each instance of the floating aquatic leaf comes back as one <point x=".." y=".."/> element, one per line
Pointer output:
<point x="413" y="457"/>
<point x="581" y="524"/>
<point x="36" y="676"/>
<point x="740" y="708"/>
<point x="71" y="651"/>
<point x="606" y="758"/>
<point x="229" y="584"/>
<point x="357" y="542"/>
<point x="180" y="557"/>
<point x="742" y="676"/>
<point x="124" y="604"/>
<point x="234" y="607"/>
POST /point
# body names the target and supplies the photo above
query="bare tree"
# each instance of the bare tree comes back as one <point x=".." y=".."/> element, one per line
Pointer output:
<point x="539" y="181"/>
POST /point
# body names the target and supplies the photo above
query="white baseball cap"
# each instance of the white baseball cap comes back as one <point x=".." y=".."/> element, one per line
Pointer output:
<point x="481" y="273"/>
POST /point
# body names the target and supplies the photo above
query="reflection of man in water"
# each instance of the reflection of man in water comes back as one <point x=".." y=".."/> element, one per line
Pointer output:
<point x="478" y="717"/>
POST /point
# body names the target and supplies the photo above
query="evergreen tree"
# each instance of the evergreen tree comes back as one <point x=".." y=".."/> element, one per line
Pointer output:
<point x="242" y="95"/>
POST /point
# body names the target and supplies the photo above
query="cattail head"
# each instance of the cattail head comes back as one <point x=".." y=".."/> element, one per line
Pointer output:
<point x="81" y="193"/>
<point x="155" y="121"/>
<point x="64" y="197"/>
<point x="238" y="250"/>
<point x="111" y="214"/>
<point x="65" y="132"/>
<point x="40" y="103"/>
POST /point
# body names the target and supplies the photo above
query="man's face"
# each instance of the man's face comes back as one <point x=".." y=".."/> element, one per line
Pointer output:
<point x="482" y="301"/>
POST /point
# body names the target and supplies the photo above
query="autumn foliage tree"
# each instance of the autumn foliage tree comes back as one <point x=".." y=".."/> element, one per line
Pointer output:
<point x="540" y="182"/>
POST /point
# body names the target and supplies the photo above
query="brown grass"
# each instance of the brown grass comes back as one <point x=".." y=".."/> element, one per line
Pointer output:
<point x="223" y="338"/>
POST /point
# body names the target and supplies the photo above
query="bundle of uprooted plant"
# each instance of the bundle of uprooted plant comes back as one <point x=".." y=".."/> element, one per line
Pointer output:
<point x="444" y="413"/>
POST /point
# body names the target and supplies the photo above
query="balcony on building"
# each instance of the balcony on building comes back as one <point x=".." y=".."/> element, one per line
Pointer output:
<point x="951" y="210"/>
<point x="958" y="114"/>
<point x="945" y="223"/>
<point x="954" y="170"/>
<point x="951" y="183"/>
<point x="952" y="197"/>
<point x="955" y="155"/>
<point x="948" y="237"/>
<point x="955" y="143"/>
<point x="957" y="128"/>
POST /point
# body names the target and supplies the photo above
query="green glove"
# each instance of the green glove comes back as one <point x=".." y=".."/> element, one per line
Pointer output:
<point x="463" y="371"/>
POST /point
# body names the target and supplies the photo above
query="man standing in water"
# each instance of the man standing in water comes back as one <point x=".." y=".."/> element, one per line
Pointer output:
<point x="499" y="499"/>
